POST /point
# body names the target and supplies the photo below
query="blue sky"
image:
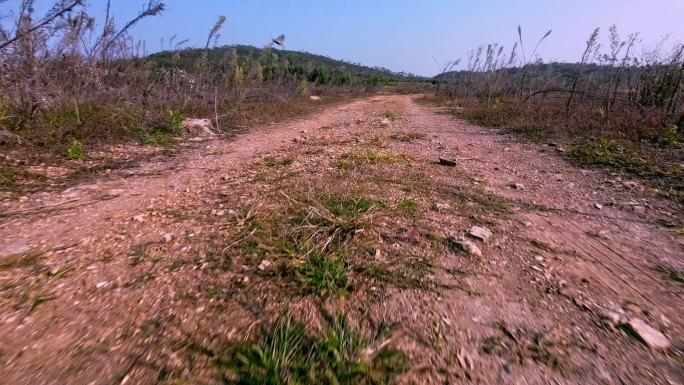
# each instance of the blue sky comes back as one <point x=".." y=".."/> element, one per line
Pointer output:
<point x="402" y="35"/>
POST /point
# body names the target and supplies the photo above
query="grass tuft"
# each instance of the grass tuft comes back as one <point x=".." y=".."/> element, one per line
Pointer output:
<point x="273" y="162"/>
<point x="368" y="157"/>
<point x="323" y="275"/>
<point x="288" y="354"/>
<point x="407" y="207"/>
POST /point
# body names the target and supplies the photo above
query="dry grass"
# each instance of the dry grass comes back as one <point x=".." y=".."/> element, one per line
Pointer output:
<point x="612" y="96"/>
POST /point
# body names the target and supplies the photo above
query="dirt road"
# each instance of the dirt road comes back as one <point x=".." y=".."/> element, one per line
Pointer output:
<point x="154" y="275"/>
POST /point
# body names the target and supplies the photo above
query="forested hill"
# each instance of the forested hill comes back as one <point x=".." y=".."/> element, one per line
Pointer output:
<point x="317" y="68"/>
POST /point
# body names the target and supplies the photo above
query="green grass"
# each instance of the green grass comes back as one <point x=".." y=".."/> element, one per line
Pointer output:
<point x="407" y="207"/>
<point x="273" y="162"/>
<point x="323" y="275"/>
<point x="288" y="354"/>
<point x="609" y="153"/>
<point x="158" y="136"/>
<point x="19" y="261"/>
<point x="7" y="179"/>
<point x="671" y="274"/>
<point x="408" y="137"/>
<point x="398" y="275"/>
<point x="39" y="300"/>
<point x="15" y="178"/>
<point x="350" y="207"/>
<point x="368" y="157"/>
<point x="76" y="150"/>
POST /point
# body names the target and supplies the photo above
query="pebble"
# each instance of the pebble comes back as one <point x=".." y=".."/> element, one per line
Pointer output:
<point x="140" y="218"/>
<point x="517" y="186"/>
<point x="464" y="245"/>
<point x="265" y="264"/>
<point x="101" y="285"/>
<point x="167" y="237"/>
<point x="15" y="248"/>
<point x="442" y="206"/>
<point x="481" y="233"/>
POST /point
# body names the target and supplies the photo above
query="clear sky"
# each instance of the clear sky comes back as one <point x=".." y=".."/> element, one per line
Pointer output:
<point x="403" y="35"/>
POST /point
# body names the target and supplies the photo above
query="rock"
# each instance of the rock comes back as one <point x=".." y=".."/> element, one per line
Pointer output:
<point x="630" y="184"/>
<point x="102" y="285"/>
<point x="167" y="237"/>
<point x="639" y="209"/>
<point x="632" y="307"/>
<point x="481" y="233"/>
<point x="517" y="186"/>
<point x="465" y="361"/>
<point x="8" y="138"/>
<point x="315" y="98"/>
<point x="385" y="122"/>
<point x="539" y="258"/>
<point x="411" y="235"/>
<point x="464" y="245"/>
<point x="663" y="322"/>
<point x="441" y="206"/>
<point x="140" y="218"/>
<point x="598" y="206"/>
<point x="447" y="162"/>
<point x="558" y="177"/>
<point x="15" y="248"/>
<point x="265" y="264"/>
<point x="646" y="334"/>
<point x="613" y="319"/>
<point x="577" y="297"/>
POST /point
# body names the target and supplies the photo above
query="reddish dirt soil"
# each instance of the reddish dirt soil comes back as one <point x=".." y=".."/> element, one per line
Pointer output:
<point x="92" y="292"/>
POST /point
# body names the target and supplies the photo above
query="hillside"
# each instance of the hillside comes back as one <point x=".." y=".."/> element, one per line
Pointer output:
<point x="553" y="70"/>
<point x="317" y="68"/>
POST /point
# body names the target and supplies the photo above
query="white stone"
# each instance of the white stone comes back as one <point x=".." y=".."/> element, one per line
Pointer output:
<point x="481" y="233"/>
<point x="647" y="334"/>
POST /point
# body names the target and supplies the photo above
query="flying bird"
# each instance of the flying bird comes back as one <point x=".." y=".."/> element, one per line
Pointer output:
<point x="280" y="40"/>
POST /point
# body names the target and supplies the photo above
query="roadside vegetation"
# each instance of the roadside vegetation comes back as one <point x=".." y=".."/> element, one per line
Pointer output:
<point x="71" y="83"/>
<point x="621" y="106"/>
